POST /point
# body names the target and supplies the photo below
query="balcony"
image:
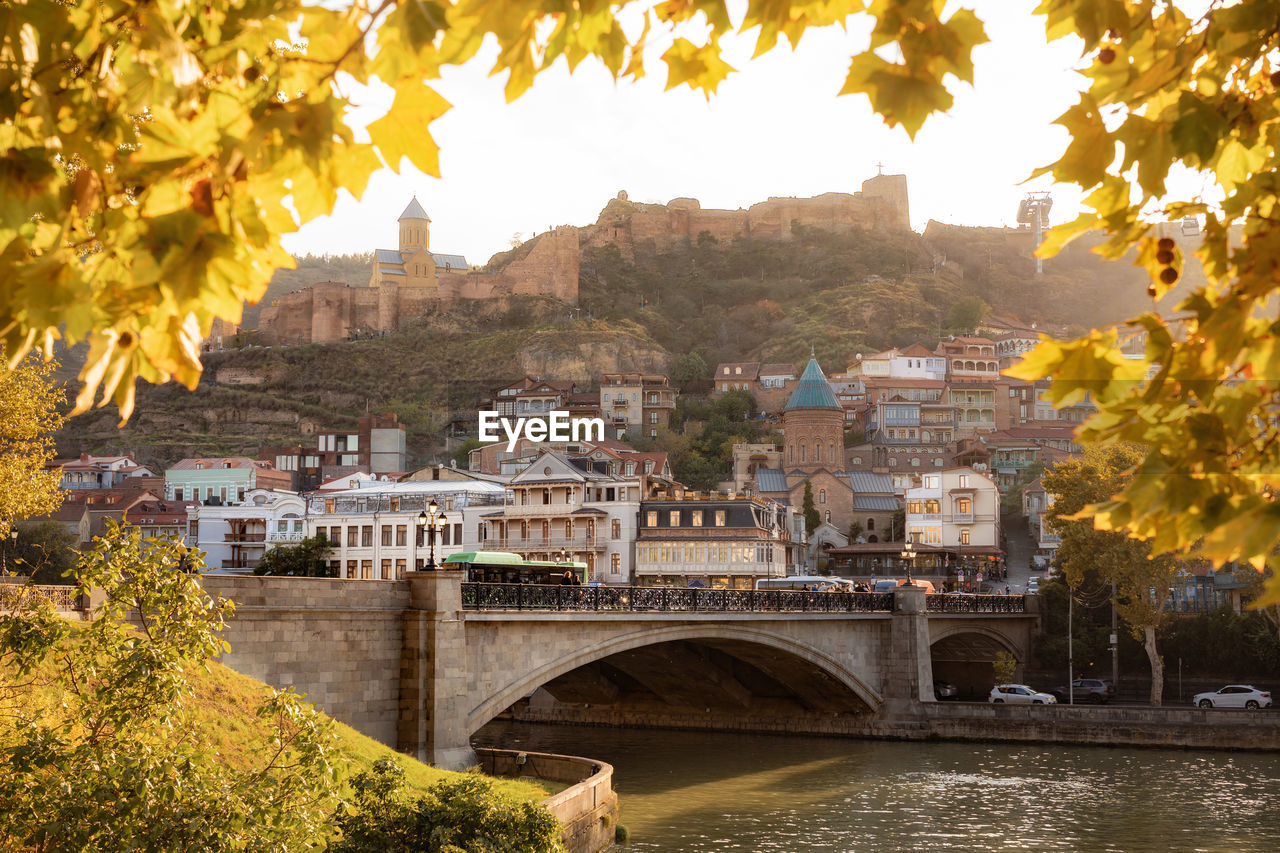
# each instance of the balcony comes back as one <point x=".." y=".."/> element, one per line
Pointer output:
<point x="286" y="537"/>
<point x="507" y="543"/>
<point x="238" y="538"/>
<point x="962" y="518"/>
<point x="519" y="511"/>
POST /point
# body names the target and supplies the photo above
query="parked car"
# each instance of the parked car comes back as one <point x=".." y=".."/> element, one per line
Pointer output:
<point x="945" y="690"/>
<point x="1019" y="694"/>
<point x="1234" y="696"/>
<point x="1033" y="586"/>
<point x="1092" y="690"/>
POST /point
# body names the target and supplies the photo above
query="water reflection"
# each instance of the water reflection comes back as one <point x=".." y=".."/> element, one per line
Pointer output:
<point x="689" y="792"/>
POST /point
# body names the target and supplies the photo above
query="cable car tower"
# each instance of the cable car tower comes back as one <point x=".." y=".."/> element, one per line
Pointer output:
<point x="1034" y="211"/>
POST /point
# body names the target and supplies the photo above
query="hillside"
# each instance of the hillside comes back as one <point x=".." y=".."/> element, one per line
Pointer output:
<point x="223" y="708"/>
<point x="738" y="300"/>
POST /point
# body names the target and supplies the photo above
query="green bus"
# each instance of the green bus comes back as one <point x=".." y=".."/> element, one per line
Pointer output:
<point x="506" y="567"/>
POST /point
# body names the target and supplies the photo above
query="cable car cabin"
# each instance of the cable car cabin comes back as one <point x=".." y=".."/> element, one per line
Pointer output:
<point x="506" y="567"/>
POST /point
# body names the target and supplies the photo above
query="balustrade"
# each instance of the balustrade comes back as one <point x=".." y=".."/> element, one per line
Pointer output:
<point x="630" y="599"/>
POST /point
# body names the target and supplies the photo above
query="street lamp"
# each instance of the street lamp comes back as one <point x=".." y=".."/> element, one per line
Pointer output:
<point x="908" y="556"/>
<point x="431" y="521"/>
<point x="13" y="546"/>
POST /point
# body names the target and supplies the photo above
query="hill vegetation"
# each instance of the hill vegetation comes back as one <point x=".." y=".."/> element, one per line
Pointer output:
<point x="740" y="300"/>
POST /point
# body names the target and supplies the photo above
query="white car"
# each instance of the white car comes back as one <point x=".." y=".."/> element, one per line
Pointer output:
<point x="1234" y="696"/>
<point x="1020" y="694"/>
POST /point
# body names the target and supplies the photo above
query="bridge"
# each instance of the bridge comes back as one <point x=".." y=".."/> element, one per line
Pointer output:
<point x="424" y="662"/>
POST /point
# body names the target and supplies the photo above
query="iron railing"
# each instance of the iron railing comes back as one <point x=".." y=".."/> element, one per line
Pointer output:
<point x="21" y="596"/>
<point x="630" y="599"/>
<point x="961" y="603"/>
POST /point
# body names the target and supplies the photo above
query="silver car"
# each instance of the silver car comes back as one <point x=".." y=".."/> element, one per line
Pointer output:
<point x="1019" y="694"/>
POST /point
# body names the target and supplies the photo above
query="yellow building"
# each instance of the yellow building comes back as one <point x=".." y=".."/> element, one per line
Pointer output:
<point x="413" y="264"/>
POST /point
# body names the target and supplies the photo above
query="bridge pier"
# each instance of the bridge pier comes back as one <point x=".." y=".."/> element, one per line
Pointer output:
<point x="433" y="673"/>
<point x="908" y="673"/>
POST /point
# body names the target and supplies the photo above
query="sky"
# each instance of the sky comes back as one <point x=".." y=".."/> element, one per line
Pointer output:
<point x="776" y="128"/>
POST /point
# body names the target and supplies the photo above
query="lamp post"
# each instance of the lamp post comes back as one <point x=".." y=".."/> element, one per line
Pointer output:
<point x="13" y="546"/>
<point x="908" y="556"/>
<point x="431" y="521"/>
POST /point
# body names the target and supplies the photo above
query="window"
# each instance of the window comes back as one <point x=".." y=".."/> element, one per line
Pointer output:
<point x="366" y="569"/>
<point x="386" y="570"/>
<point x="828" y="516"/>
<point x="366" y="536"/>
<point x="673" y="518"/>
<point x="615" y="564"/>
<point x="399" y="569"/>
<point x="871" y="524"/>
<point x="697" y="518"/>
<point x="653" y="433"/>
<point x="177" y="494"/>
<point x="328" y="505"/>
<point x="386" y="534"/>
<point x="964" y="536"/>
<point x="651" y="519"/>
<point x="615" y="529"/>
<point x="822" y="496"/>
<point x="402" y="534"/>
<point x="801" y="452"/>
<point x="964" y="481"/>
<point x="335" y="535"/>
<point x="719" y="518"/>
<point x="964" y="506"/>
<point x="352" y="569"/>
<point x="353" y="536"/>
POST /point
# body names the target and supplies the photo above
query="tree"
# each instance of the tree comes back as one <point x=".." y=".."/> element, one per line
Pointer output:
<point x="967" y="313"/>
<point x="855" y="530"/>
<point x="811" y="517"/>
<point x="28" y="416"/>
<point x="1090" y="553"/>
<point x="462" y="456"/>
<point x="689" y="369"/>
<point x="464" y="815"/>
<point x="307" y="559"/>
<point x="101" y="750"/>
<point x="1180" y="93"/>
<point x="45" y="552"/>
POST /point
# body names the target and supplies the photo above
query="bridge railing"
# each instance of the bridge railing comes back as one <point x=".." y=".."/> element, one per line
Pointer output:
<point x="962" y="603"/>
<point x="15" y="596"/>
<point x="631" y="599"/>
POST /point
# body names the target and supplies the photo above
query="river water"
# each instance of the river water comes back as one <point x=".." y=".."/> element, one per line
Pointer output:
<point x="690" y="792"/>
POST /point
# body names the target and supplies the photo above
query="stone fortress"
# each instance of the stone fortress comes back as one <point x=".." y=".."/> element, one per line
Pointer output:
<point x="412" y="281"/>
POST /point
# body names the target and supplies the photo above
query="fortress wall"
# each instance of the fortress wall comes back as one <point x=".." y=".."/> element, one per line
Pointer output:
<point x="550" y="269"/>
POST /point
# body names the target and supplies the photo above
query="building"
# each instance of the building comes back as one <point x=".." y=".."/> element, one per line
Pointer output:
<point x="376" y="446"/>
<point x="235" y="535"/>
<point x="813" y="424"/>
<point x="571" y="508"/>
<point x="413" y="264"/>
<point x="914" y="362"/>
<point x="747" y="459"/>
<point x="98" y="472"/>
<point x="714" y="542"/>
<point x="220" y="479"/>
<point x="876" y="502"/>
<point x="636" y="403"/>
<point x="160" y="519"/>
<point x="1035" y="504"/>
<point x="953" y="517"/>
<point x="373" y="530"/>
<point x="530" y="397"/>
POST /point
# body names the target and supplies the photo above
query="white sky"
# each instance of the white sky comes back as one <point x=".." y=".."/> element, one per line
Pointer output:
<point x="777" y="128"/>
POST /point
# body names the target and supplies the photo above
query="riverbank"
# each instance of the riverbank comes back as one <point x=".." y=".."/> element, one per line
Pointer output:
<point x="1179" y="728"/>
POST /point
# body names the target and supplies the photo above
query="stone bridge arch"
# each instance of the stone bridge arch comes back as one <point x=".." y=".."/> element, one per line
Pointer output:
<point x="964" y="653"/>
<point x="492" y="698"/>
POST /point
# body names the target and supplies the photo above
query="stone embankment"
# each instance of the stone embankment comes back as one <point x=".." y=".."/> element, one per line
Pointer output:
<point x="588" y="808"/>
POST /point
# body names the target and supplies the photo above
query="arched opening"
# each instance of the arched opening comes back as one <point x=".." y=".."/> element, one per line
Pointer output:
<point x="679" y="679"/>
<point x="966" y="659"/>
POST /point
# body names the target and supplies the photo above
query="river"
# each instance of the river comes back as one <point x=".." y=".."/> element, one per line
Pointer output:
<point x="692" y="792"/>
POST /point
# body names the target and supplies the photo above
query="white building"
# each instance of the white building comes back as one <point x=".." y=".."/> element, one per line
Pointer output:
<point x="957" y="510"/>
<point x="572" y="504"/>
<point x="373" y="530"/>
<point x="235" y="536"/>
<point x="914" y="362"/>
